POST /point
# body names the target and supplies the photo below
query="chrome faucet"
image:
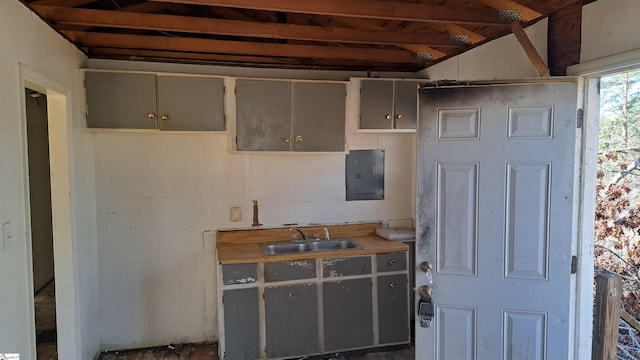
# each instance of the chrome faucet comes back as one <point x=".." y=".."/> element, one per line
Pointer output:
<point x="304" y="236"/>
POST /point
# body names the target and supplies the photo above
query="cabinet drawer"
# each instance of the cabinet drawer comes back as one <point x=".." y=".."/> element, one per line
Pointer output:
<point x="289" y="270"/>
<point x="239" y="274"/>
<point x="392" y="262"/>
<point x="336" y="267"/>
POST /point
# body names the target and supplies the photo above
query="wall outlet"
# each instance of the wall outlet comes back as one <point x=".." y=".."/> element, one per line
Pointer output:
<point x="235" y="214"/>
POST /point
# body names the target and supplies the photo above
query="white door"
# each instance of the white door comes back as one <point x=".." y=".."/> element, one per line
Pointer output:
<point x="495" y="219"/>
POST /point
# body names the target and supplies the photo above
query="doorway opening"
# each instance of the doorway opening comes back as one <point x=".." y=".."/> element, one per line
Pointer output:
<point x="617" y="213"/>
<point x="41" y="223"/>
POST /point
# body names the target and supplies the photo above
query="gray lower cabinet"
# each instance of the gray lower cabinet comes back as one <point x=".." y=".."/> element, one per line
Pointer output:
<point x="314" y="306"/>
<point x="290" y="116"/>
<point x="291" y="320"/>
<point x="147" y="101"/>
<point x="348" y="320"/>
<point x="393" y="307"/>
<point x="388" y="104"/>
<point x="241" y="324"/>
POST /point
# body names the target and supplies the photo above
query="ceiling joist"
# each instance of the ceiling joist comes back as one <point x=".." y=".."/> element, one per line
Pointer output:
<point x="189" y="24"/>
<point x="238" y="47"/>
<point x="372" y="9"/>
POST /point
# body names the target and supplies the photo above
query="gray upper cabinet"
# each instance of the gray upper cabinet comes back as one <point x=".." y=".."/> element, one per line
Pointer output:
<point x="190" y="103"/>
<point x="290" y="116"/>
<point x="118" y="100"/>
<point x="388" y="104"/>
<point x="318" y="113"/>
<point x="147" y="101"/>
<point x="263" y="115"/>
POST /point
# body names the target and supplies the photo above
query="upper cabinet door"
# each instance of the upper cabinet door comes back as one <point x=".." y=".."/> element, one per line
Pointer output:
<point x="190" y="103"/>
<point x="406" y="105"/>
<point x="263" y="115"/>
<point x="319" y="116"/>
<point x="118" y="100"/>
<point x="376" y="104"/>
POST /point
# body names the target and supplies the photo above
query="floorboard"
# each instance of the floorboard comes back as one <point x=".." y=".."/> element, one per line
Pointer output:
<point x="45" y="314"/>
<point x="210" y="352"/>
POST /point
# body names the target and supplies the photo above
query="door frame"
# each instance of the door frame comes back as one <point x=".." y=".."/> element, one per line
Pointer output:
<point x="59" y="119"/>
<point x="590" y="73"/>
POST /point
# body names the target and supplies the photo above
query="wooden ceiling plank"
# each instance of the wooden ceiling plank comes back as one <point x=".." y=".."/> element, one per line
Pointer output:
<point x="179" y="55"/>
<point x="529" y="49"/>
<point x="374" y="9"/>
<point x="526" y="14"/>
<point x="367" y="25"/>
<point x="238" y="47"/>
<point x="65" y="3"/>
<point x="454" y="29"/>
<point x="120" y="19"/>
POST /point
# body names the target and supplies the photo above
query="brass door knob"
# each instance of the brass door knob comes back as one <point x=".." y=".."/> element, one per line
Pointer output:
<point x="164" y="117"/>
<point x="151" y="116"/>
<point x="299" y="138"/>
<point x="287" y="139"/>
<point x="388" y="117"/>
<point x="399" y="116"/>
<point x="425" y="291"/>
<point x="392" y="262"/>
<point x="392" y="284"/>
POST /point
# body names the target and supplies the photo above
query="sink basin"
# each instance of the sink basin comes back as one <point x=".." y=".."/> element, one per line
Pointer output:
<point x="282" y="248"/>
<point x="338" y="244"/>
<point x="285" y="248"/>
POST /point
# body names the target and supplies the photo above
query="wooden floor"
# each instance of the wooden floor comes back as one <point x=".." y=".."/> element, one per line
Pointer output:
<point x="46" y="335"/>
<point x="210" y="352"/>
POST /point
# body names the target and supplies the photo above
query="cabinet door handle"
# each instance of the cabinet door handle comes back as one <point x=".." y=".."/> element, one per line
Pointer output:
<point x="388" y="117"/>
<point x="298" y="138"/>
<point x="399" y="116"/>
<point x="164" y="117"/>
<point x="287" y="139"/>
<point x="392" y="284"/>
<point x="392" y="262"/>
<point x="151" y="116"/>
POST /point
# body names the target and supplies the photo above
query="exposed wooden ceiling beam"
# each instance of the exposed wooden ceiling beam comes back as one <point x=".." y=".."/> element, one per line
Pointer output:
<point x="177" y="56"/>
<point x="374" y="9"/>
<point x="238" y="47"/>
<point x="454" y="29"/>
<point x="529" y="49"/>
<point x="189" y="24"/>
<point x="65" y="3"/>
<point x="367" y="25"/>
<point x="526" y="14"/>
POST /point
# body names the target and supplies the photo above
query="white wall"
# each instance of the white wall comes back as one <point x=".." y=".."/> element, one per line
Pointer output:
<point x="502" y="58"/>
<point x="609" y="27"/>
<point x="158" y="192"/>
<point x="28" y="41"/>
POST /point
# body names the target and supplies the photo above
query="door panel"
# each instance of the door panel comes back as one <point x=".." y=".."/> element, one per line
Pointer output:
<point x="494" y="217"/>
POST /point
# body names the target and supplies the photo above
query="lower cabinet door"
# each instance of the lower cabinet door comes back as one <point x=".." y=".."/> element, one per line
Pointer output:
<point x="393" y="309"/>
<point x="241" y="324"/>
<point x="348" y="314"/>
<point x="291" y="320"/>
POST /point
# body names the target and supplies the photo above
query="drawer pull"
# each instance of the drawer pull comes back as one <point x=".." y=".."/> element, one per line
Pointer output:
<point x="392" y="284"/>
<point x="392" y="262"/>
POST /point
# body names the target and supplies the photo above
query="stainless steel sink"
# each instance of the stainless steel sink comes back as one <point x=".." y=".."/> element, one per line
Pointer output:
<point x="337" y="244"/>
<point x="285" y="248"/>
<point x="281" y="248"/>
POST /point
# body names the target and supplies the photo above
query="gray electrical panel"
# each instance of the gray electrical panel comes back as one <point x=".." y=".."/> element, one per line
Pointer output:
<point x="365" y="175"/>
